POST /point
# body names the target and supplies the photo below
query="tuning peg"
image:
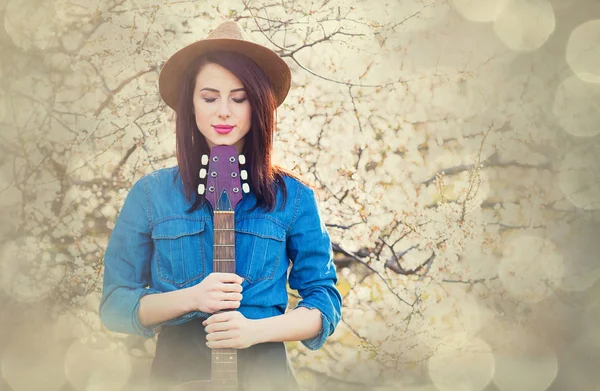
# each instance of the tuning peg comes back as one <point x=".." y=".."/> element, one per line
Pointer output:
<point x="203" y="173"/>
<point x="242" y="159"/>
<point x="204" y="160"/>
<point x="244" y="174"/>
<point x="201" y="188"/>
<point x="246" y="188"/>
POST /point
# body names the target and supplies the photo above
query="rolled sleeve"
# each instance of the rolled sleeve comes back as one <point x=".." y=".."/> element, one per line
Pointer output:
<point x="127" y="266"/>
<point x="313" y="272"/>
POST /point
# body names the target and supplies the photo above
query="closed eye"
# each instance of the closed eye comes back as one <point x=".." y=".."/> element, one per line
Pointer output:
<point x="235" y="100"/>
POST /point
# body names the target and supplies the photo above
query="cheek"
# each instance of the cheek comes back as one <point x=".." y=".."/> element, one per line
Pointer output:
<point x="200" y="114"/>
<point x="247" y="112"/>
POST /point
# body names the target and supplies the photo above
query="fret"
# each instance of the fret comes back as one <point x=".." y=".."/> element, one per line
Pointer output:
<point x="224" y="361"/>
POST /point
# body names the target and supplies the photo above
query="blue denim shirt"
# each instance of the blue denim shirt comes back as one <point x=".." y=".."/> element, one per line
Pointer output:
<point x="156" y="247"/>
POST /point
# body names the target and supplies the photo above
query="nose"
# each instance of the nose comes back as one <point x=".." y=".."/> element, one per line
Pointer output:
<point x="224" y="109"/>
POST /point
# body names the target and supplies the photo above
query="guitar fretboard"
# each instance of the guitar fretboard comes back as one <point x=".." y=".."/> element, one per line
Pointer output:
<point x="224" y="361"/>
<point x="224" y="243"/>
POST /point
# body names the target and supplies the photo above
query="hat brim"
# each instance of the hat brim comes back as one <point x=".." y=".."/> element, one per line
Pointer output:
<point x="276" y="69"/>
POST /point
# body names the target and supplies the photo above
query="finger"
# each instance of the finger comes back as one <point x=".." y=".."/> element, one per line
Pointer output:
<point x="221" y="335"/>
<point x="230" y="296"/>
<point x="217" y="327"/>
<point x="224" y="344"/>
<point x="229" y="277"/>
<point x="229" y="305"/>
<point x="230" y="287"/>
<point x="217" y="318"/>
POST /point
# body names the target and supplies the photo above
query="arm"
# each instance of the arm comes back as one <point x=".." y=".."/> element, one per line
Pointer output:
<point x="127" y="266"/>
<point x="161" y="307"/>
<point x="128" y="304"/>
<point x="313" y="275"/>
<point x="218" y="291"/>
<point x="297" y="325"/>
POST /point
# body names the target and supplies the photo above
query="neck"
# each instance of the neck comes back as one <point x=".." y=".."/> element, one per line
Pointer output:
<point x="224" y="361"/>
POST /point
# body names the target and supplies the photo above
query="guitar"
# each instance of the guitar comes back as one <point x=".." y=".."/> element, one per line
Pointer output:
<point x="223" y="191"/>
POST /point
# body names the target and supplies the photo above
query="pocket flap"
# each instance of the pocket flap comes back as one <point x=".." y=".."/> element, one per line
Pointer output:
<point x="263" y="228"/>
<point x="176" y="228"/>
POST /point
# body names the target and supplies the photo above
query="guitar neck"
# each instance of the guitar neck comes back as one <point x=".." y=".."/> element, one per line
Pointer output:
<point x="224" y="243"/>
<point x="224" y="361"/>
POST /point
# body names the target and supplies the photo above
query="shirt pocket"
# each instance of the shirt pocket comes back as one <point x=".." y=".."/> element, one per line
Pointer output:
<point x="259" y="247"/>
<point x="179" y="251"/>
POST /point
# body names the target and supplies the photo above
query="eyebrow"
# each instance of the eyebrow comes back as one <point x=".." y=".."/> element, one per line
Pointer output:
<point x="214" y="90"/>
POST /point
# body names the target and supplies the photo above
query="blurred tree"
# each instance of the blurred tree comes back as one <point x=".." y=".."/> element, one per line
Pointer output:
<point x="432" y="142"/>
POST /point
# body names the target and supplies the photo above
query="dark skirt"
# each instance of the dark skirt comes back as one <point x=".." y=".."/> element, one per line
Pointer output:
<point x="182" y="356"/>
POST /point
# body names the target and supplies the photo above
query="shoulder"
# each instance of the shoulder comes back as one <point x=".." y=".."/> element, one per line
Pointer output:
<point x="302" y="196"/>
<point x="156" y="182"/>
<point x="296" y="186"/>
<point x="162" y="177"/>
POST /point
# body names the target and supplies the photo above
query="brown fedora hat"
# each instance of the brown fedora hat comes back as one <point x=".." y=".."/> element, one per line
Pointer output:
<point x="227" y="36"/>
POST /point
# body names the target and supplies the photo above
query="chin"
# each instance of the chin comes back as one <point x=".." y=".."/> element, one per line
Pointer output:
<point x="225" y="141"/>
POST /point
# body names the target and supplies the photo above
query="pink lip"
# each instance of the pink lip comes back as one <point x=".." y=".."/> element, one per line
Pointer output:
<point x="222" y="129"/>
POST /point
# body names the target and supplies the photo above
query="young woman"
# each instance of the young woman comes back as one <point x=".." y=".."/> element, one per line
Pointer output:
<point x="158" y="273"/>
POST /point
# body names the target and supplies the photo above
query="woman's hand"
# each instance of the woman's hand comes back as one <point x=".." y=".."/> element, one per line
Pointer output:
<point x="218" y="291"/>
<point x="230" y="329"/>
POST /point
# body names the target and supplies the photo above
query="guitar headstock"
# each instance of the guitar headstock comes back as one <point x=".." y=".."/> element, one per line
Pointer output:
<point x="224" y="185"/>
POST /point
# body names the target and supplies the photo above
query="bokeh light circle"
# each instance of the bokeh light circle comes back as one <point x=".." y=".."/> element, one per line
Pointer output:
<point x="28" y="271"/>
<point x="480" y="10"/>
<point x="578" y="241"/>
<point x="579" y="178"/>
<point x="576" y="107"/>
<point x="527" y="371"/>
<point x="29" y="23"/>
<point x="457" y="312"/>
<point x="583" y="51"/>
<point x="530" y="269"/>
<point x="579" y="364"/>
<point x="33" y="354"/>
<point x="90" y="367"/>
<point x="525" y="25"/>
<point x="561" y="4"/>
<point x="461" y="362"/>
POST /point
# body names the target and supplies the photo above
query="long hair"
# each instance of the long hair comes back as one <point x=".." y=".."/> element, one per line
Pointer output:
<point x="264" y="178"/>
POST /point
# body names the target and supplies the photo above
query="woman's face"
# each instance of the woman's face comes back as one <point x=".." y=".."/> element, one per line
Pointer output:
<point x="220" y="99"/>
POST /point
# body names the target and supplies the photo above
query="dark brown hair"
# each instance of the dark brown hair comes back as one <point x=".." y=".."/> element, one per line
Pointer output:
<point x="263" y="178"/>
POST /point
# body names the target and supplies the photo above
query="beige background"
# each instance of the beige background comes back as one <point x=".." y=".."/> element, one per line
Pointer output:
<point x="454" y="145"/>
